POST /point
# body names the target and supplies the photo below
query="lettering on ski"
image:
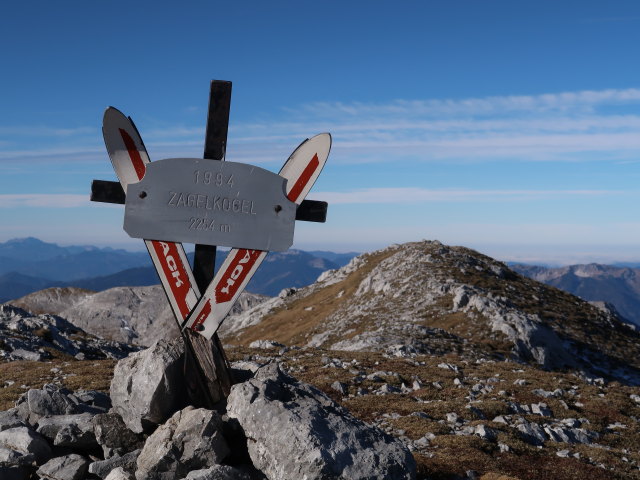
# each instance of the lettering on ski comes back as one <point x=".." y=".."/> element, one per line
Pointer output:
<point x="174" y="275"/>
<point x="224" y="290"/>
<point x="129" y="159"/>
<point x="235" y="275"/>
<point x="301" y="170"/>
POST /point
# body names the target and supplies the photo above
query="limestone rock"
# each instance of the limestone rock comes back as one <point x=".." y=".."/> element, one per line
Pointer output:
<point x="48" y="401"/>
<point x="148" y="386"/>
<point x="12" y="457"/>
<point x="532" y="433"/>
<point x="103" y="468"/>
<point x="10" y="419"/>
<point x="120" y="474"/>
<point x="295" y="431"/>
<point x="266" y="344"/>
<point x="51" y="300"/>
<point x="68" y="467"/>
<point x="113" y="435"/>
<point x="26" y="441"/>
<point x="75" y="431"/>
<point x="190" y="440"/>
<point x="28" y="337"/>
<point x="218" y="472"/>
<point x="135" y="315"/>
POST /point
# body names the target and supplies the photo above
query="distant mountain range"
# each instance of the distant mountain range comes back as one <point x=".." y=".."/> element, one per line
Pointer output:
<point x="29" y="264"/>
<point x="617" y="285"/>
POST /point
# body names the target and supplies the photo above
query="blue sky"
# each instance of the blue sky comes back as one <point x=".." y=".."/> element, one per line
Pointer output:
<point x="509" y="127"/>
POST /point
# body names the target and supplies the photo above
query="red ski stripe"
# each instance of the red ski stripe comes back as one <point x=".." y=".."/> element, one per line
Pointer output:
<point x="202" y="316"/>
<point x="175" y="273"/>
<point x="304" y="178"/>
<point x="233" y="277"/>
<point x="136" y="159"/>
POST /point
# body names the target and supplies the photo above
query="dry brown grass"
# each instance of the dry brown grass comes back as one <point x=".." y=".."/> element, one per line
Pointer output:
<point x="294" y="324"/>
<point x="74" y="374"/>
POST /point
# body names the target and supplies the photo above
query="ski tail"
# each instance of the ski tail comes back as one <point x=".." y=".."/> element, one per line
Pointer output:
<point x="230" y="281"/>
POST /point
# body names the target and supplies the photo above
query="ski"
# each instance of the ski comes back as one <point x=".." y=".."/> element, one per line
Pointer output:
<point x="129" y="159"/>
<point x="301" y="171"/>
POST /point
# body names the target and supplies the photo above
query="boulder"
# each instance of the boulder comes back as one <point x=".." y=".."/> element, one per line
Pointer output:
<point x="14" y="458"/>
<point x="295" y="431"/>
<point x="75" y="431"/>
<point x="103" y="468"/>
<point x="190" y="440"/>
<point x="218" y="472"/>
<point x="26" y="441"/>
<point x="45" y="402"/>
<point x="113" y="435"/>
<point x="68" y="467"/>
<point x="148" y="386"/>
<point x="532" y="433"/>
<point x="10" y="419"/>
<point x="120" y="474"/>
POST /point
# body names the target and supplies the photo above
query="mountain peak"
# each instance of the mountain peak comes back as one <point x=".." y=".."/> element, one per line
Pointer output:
<point x="26" y="241"/>
<point x="426" y="297"/>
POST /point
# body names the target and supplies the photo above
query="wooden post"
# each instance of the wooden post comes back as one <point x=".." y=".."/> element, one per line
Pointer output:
<point x="212" y="382"/>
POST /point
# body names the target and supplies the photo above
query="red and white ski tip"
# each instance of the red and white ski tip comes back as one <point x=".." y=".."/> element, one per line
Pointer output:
<point x="129" y="158"/>
<point x="127" y="152"/>
<point x="304" y="165"/>
<point x="301" y="171"/>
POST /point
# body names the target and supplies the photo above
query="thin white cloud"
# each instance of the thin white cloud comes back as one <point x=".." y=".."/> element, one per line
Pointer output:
<point x="566" y="126"/>
<point x="586" y="99"/>
<point x="44" y="200"/>
<point x="44" y="131"/>
<point x="412" y="195"/>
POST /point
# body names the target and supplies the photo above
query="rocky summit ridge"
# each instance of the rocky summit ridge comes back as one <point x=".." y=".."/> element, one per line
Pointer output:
<point x="24" y="336"/>
<point x="133" y="315"/>
<point x="429" y="298"/>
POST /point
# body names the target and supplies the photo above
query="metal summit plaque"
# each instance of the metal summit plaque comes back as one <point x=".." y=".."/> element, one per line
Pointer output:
<point x="213" y="203"/>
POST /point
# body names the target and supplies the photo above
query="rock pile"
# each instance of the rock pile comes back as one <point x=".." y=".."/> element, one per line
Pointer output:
<point x="24" y="336"/>
<point x="274" y="427"/>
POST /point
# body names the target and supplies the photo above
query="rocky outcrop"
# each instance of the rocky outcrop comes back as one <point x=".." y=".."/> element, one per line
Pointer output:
<point x="24" y="336"/>
<point x="52" y="300"/>
<point x="137" y="315"/>
<point x="295" y="431"/>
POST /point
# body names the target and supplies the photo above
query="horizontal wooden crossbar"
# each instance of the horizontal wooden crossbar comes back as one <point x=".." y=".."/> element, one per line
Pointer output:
<point x="105" y="191"/>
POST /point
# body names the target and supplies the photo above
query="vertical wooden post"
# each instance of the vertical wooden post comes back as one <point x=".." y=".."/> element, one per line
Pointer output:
<point x="206" y="357"/>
